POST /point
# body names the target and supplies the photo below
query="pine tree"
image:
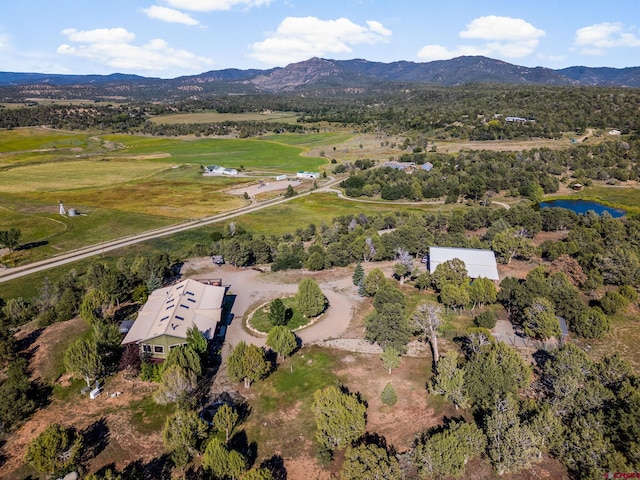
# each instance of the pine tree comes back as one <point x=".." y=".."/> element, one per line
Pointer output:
<point x="388" y="395"/>
<point x="358" y="274"/>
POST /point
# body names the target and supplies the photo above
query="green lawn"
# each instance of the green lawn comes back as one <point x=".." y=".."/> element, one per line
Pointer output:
<point x="281" y="404"/>
<point x="260" y="318"/>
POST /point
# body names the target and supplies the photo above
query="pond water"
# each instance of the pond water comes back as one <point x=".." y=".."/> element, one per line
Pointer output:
<point x="583" y="206"/>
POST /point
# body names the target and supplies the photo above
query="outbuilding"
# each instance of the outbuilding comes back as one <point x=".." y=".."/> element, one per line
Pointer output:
<point x="479" y="263"/>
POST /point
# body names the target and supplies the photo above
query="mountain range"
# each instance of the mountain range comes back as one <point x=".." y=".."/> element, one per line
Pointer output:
<point x="316" y="74"/>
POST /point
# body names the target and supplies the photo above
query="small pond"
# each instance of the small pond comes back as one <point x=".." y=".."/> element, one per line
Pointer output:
<point x="583" y="206"/>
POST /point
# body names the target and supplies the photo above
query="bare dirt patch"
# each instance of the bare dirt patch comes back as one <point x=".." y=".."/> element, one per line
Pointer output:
<point x="414" y="411"/>
<point x="125" y="444"/>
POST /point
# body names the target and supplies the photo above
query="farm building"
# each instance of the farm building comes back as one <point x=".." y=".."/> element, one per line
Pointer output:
<point x="163" y="321"/>
<point x="217" y="170"/>
<point x="309" y="175"/>
<point x="479" y="263"/>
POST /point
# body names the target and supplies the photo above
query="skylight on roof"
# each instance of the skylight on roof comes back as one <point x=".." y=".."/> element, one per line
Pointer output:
<point x="179" y="317"/>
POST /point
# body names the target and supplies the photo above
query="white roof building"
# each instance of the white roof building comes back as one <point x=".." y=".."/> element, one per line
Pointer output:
<point x="163" y="321"/>
<point x="479" y="263"/>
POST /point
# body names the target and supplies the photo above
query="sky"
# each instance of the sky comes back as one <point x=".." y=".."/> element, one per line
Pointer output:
<point x="170" y="38"/>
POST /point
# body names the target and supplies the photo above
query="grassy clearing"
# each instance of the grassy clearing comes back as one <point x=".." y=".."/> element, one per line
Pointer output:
<point x="622" y="340"/>
<point x="62" y="176"/>
<point x="147" y="416"/>
<point x="260" y="318"/>
<point x="318" y="208"/>
<point x="308" y="140"/>
<point x="280" y="418"/>
<point x="251" y="154"/>
<point x="27" y="139"/>
<point x="215" y="117"/>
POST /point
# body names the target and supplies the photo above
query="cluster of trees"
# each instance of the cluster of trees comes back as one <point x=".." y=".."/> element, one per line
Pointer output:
<point x="423" y="112"/>
<point x="476" y="175"/>
<point x="240" y="129"/>
<point x="114" y="118"/>
<point x="10" y="238"/>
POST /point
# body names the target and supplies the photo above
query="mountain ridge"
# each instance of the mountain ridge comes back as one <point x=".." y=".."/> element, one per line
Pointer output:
<point x="319" y="72"/>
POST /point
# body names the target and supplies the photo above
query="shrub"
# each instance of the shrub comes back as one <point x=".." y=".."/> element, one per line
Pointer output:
<point x="486" y="320"/>
<point x="612" y="302"/>
<point x="628" y="292"/>
<point x="388" y="395"/>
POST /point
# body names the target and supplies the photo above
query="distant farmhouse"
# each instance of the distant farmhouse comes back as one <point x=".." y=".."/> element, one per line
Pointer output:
<point x="217" y="170"/>
<point x="519" y="120"/>
<point x="309" y="175"/>
<point x="479" y="263"/>
<point x="408" y="167"/>
<point x="163" y="321"/>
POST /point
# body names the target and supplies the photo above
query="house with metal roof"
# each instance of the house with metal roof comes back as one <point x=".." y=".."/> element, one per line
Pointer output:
<point x="479" y="263"/>
<point x="169" y="312"/>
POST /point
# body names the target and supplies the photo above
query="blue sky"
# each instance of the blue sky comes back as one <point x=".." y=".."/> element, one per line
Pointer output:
<point x="169" y="38"/>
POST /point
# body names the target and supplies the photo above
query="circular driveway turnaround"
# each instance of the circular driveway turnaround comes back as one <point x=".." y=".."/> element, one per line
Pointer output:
<point x="253" y="288"/>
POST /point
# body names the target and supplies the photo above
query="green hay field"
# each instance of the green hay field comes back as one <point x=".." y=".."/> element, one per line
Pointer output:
<point x="71" y="175"/>
<point x="252" y="154"/>
<point x="215" y="117"/>
<point x="27" y="139"/>
<point x="319" y="208"/>
<point x="124" y="184"/>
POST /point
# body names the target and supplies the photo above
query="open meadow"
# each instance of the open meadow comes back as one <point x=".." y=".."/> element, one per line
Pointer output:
<point x="215" y="117"/>
<point x="121" y="185"/>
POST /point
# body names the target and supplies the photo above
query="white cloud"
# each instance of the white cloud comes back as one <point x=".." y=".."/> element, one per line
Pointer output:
<point x="377" y="27"/>
<point x="503" y="37"/>
<point x="508" y="29"/>
<point x="113" y="47"/>
<point x="99" y="35"/>
<point x="215" y="5"/>
<point x="596" y="39"/>
<point x="169" y="15"/>
<point x="299" y="38"/>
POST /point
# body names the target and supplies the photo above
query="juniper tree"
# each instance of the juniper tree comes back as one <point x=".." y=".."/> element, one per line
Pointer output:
<point x="182" y="435"/>
<point x="370" y="462"/>
<point x="340" y="417"/>
<point x="225" y="419"/>
<point x="449" y="380"/>
<point x="310" y="299"/>
<point x="248" y="363"/>
<point x="282" y="341"/>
